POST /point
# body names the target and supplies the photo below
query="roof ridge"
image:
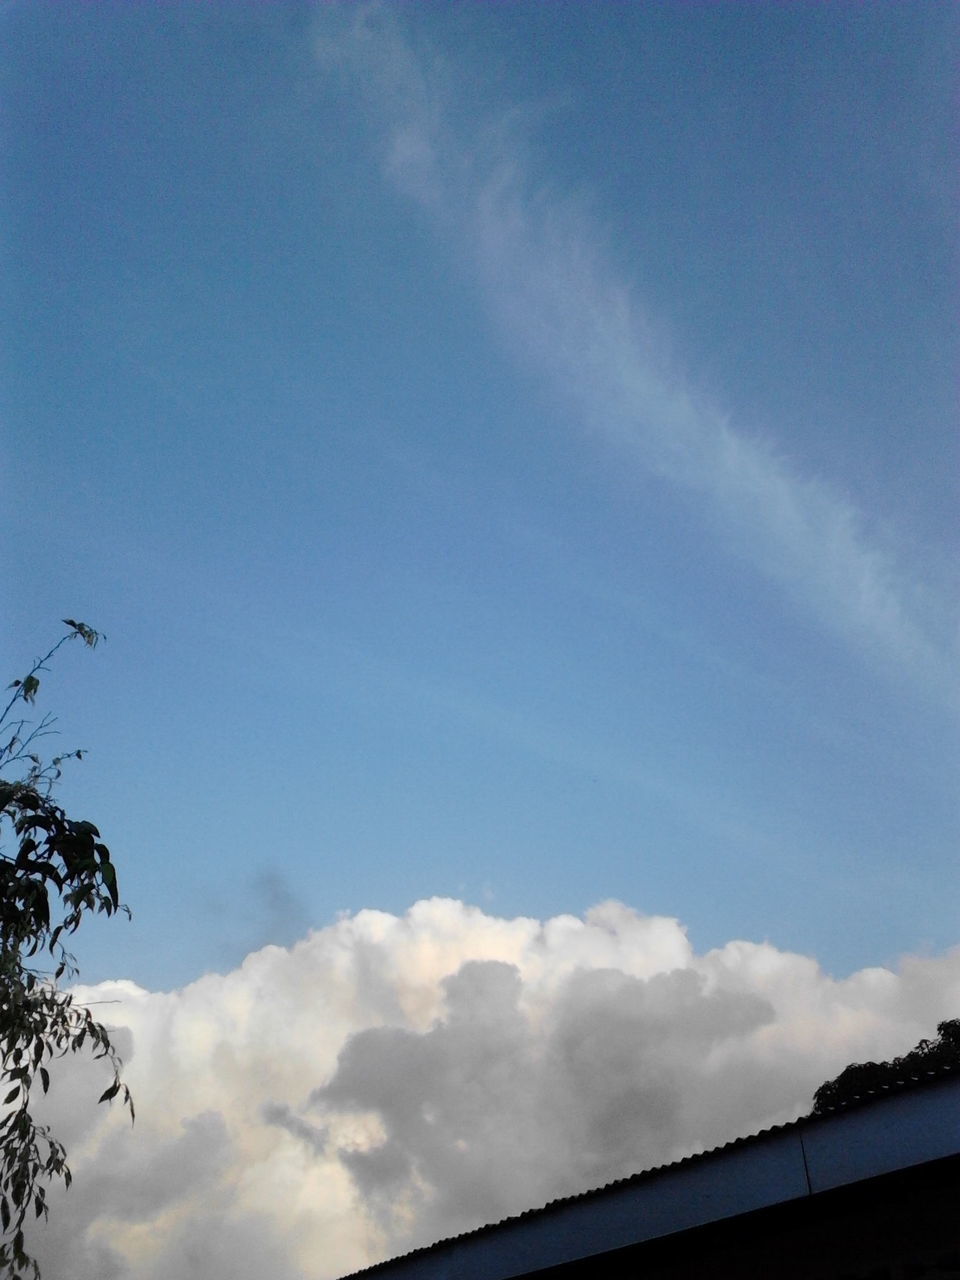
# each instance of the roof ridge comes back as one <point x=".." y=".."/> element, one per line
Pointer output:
<point x="871" y="1097"/>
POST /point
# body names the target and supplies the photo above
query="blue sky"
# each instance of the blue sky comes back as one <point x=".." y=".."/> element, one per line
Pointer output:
<point x="511" y="450"/>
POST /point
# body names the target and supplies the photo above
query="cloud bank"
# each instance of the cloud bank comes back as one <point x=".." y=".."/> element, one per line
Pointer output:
<point x="390" y="1080"/>
<point x="563" y="311"/>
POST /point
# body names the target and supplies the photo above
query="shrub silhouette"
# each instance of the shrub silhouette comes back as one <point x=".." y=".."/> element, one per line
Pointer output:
<point x="863" y="1077"/>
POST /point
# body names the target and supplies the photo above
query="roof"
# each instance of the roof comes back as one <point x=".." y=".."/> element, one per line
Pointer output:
<point x="895" y="1126"/>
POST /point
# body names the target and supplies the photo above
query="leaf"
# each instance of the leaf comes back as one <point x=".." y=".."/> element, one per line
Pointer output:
<point x="109" y="875"/>
<point x="87" y="634"/>
<point x="111" y="1092"/>
<point x="11" y="1095"/>
<point x="28" y="690"/>
<point x="45" y="1078"/>
<point x="27" y="847"/>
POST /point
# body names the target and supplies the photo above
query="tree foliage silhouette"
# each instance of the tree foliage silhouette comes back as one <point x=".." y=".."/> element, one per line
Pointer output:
<point x="861" y="1078"/>
<point x="54" y="871"/>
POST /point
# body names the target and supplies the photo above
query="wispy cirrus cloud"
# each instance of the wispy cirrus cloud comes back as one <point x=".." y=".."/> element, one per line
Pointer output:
<point x="559" y="306"/>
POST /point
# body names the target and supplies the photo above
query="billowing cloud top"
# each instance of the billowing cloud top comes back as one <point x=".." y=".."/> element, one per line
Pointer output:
<point x="391" y="1080"/>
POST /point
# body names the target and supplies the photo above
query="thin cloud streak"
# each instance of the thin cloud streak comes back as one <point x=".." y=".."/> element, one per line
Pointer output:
<point x="564" y="313"/>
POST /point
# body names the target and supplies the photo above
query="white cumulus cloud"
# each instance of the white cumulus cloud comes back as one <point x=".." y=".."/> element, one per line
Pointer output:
<point x="392" y="1079"/>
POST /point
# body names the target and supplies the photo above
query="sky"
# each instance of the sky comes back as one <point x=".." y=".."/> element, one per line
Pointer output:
<point x="511" y="451"/>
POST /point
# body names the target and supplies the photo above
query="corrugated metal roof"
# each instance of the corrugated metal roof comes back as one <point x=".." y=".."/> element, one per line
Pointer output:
<point x="890" y="1089"/>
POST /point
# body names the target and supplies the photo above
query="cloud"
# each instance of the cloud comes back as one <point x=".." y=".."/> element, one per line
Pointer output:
<point x="561" y="310"/>
<point x="392" y="1079"/>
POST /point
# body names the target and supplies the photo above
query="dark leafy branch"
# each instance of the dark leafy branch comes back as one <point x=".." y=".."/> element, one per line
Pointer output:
<point x="862" y="1078"/>
<point x="54" y="870"/>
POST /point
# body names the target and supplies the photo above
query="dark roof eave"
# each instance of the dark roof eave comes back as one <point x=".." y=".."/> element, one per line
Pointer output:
<point x="815" y="1153"/>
